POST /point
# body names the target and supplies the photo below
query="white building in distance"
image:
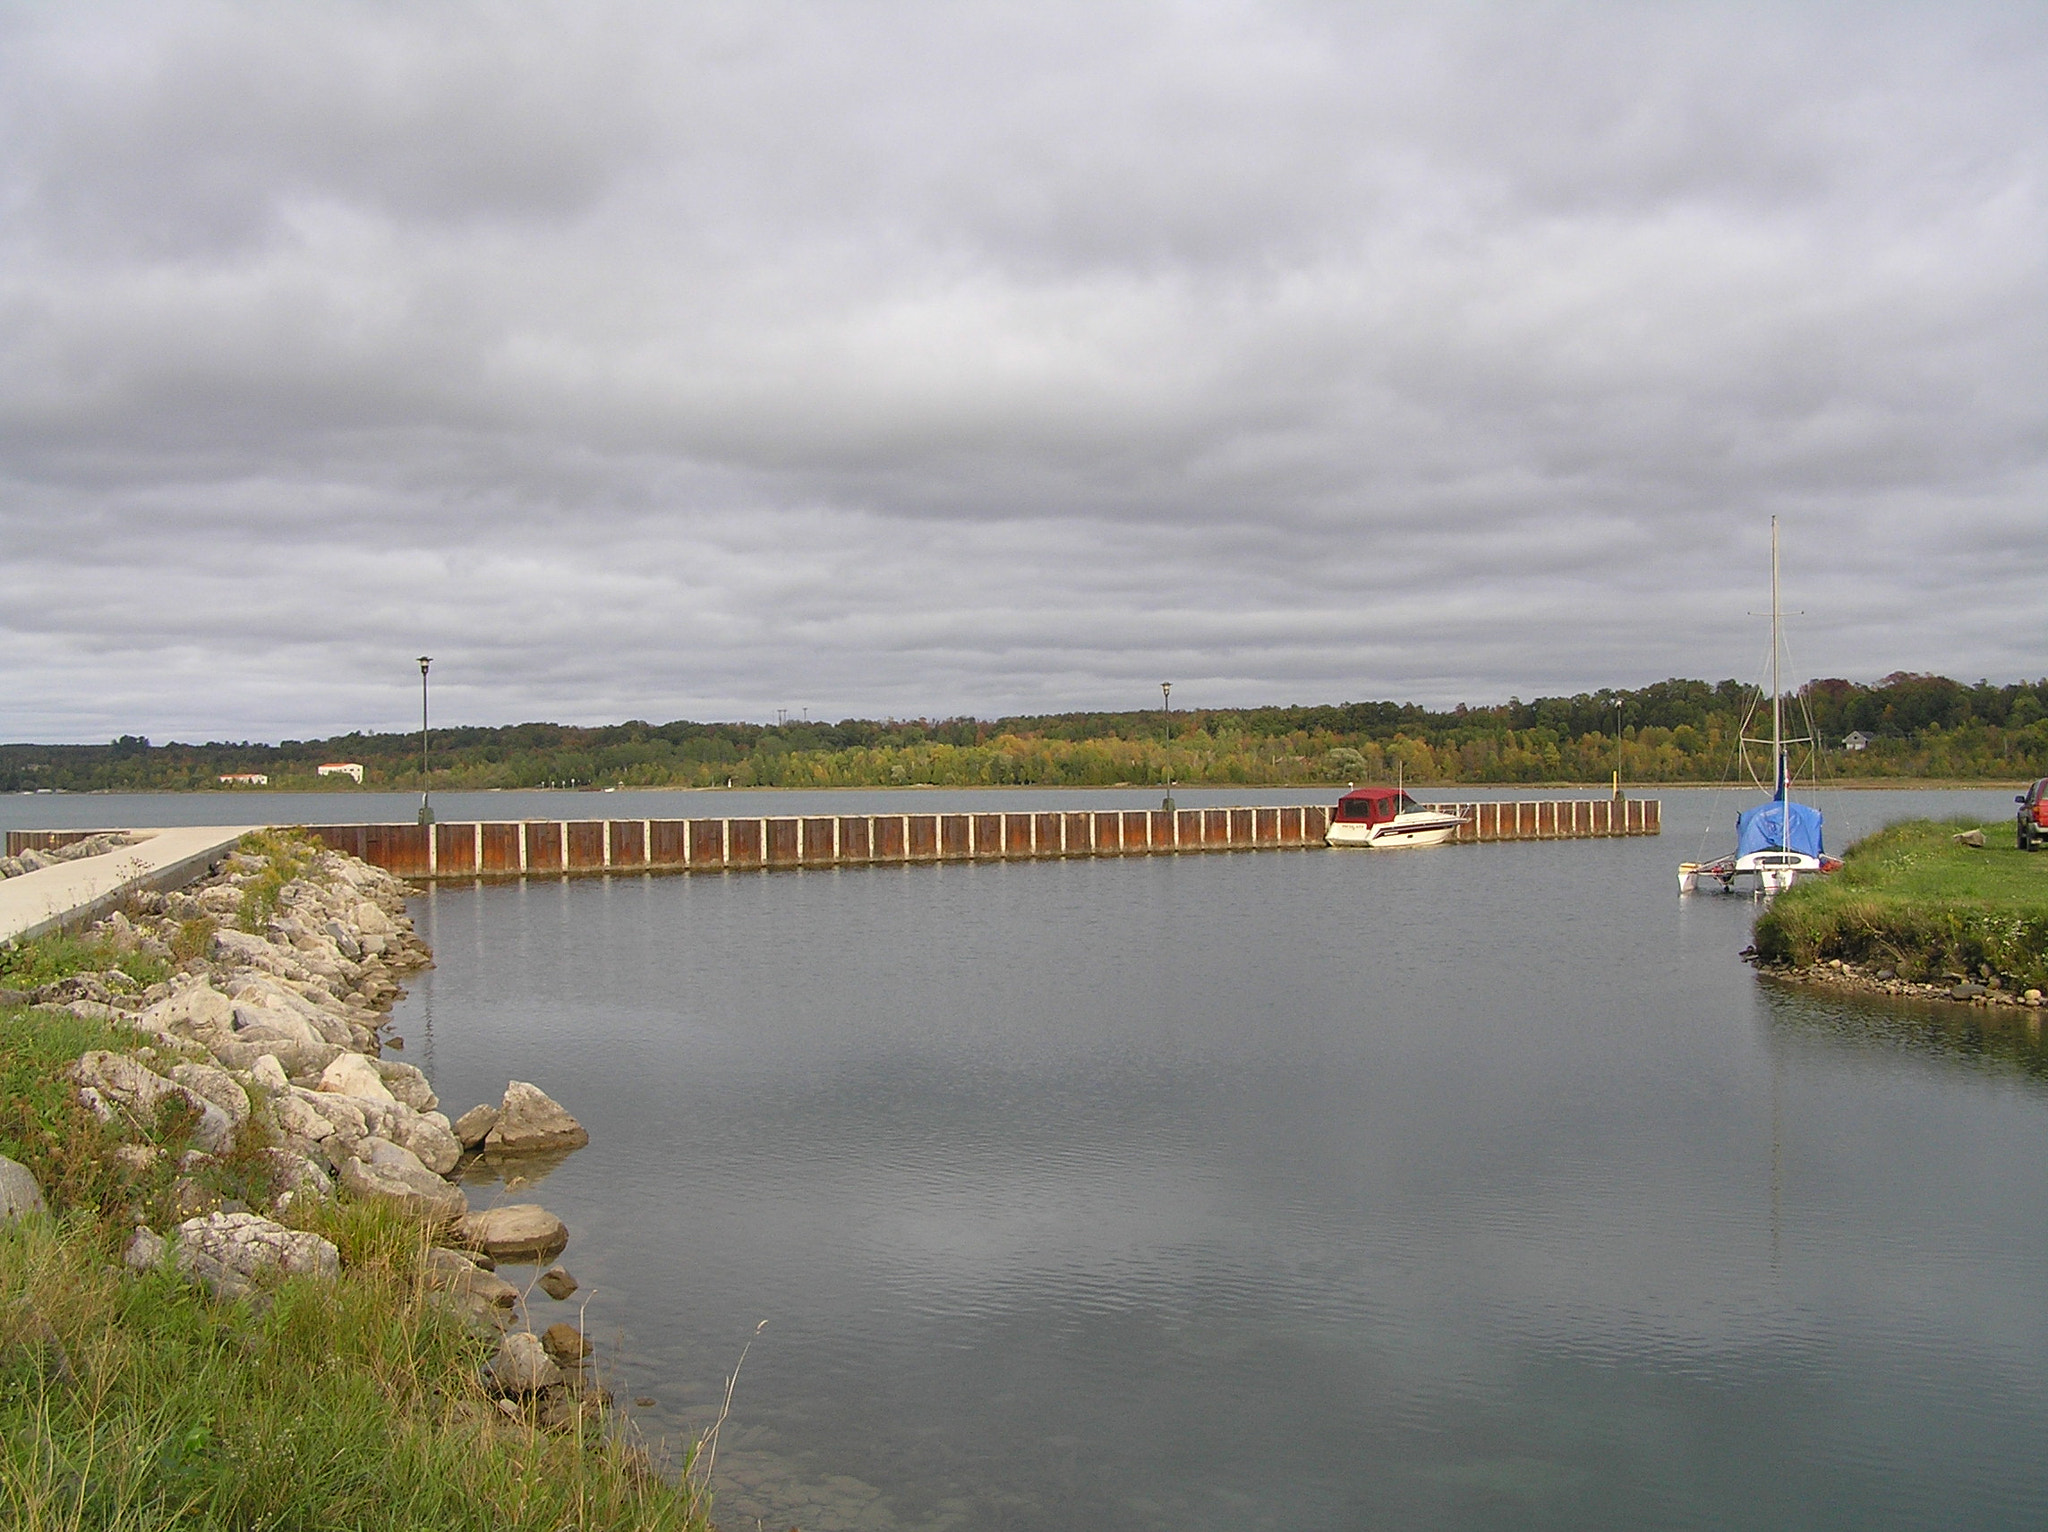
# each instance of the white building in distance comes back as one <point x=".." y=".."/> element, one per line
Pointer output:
<point x="343" y="769"/>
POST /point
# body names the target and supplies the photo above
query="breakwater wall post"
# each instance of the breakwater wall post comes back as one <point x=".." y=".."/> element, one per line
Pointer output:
<point x="559" y="847"/>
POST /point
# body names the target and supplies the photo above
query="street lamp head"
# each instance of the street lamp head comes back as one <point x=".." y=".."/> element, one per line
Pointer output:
<point x="425" y="661"/>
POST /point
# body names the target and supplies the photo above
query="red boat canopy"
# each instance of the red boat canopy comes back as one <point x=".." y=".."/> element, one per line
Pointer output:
<point x="1371" y="805"/>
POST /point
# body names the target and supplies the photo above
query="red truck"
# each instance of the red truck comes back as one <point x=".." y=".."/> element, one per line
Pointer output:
<point x="2033" y="815"/>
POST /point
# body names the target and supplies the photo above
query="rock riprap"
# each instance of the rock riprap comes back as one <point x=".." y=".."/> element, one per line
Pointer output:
<point x="19" y="1194"/>
<point x="235" y="1253"/>
<point x="528" y="1120"/>
<point x="516" y="1231"/>
<point x="279" y="1026"/>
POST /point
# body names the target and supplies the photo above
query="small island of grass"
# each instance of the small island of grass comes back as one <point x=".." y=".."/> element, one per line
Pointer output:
<point x="1917" y="905"/>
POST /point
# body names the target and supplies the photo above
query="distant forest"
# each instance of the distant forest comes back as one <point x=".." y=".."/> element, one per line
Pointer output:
<point x="1920" y="726"/>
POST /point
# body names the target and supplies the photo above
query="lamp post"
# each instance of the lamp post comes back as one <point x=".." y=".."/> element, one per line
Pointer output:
<point x="1618" y="704"/>
<point x="426" y="808"/>
<point x="1166" y="700"/>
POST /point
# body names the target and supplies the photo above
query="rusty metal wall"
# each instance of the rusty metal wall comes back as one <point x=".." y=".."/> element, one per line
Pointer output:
<point x="464" y="850"/>
<point x="455" y="850"/>
<point x="1078" y="833"/>
<point x="706" y="844"/>
<point x="1108" y="833"/>
<point x="586" y="844"/>
<point x="743" y="846"/>
<point x="629" y="842"/>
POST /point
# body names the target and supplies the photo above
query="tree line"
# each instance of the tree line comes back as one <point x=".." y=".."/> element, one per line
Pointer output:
<point x="1916" y="726"/>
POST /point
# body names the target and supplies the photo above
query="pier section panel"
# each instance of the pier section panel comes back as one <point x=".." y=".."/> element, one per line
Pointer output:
<point x="586" y="844"/>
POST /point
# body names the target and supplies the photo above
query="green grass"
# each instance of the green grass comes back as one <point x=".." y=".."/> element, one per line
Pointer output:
<point x="46" y="959"/>
<point x="285" y="854"/>
<point x="1910" y="897"/>
<point x="345" y="1405"/>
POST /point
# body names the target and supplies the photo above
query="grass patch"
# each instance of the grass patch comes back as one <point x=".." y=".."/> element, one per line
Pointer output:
<point x="1911" y="898"/>
<point x="46" y="959"/>
<point x="141" y="1404"/>
<point x="342" y="1405"/>
<point x="285" y="855"/>
<point x="72" y="1153"/>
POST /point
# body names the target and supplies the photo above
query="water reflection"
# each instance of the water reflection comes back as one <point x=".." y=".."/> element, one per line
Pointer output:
<point x="1465" y="1189"/>
<point x="2003" y="1038"/>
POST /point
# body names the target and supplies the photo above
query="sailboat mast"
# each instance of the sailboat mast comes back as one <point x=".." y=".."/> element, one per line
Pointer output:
<point x="1782" y="784"/>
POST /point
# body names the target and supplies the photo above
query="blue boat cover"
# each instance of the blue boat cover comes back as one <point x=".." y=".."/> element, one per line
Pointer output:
<point x="1763" y="828"/>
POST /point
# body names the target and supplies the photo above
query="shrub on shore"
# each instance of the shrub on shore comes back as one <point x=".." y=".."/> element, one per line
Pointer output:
<point x="1914" y="898"/>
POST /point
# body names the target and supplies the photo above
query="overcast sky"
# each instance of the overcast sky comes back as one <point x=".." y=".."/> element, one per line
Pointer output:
<point x="679" y="360"/>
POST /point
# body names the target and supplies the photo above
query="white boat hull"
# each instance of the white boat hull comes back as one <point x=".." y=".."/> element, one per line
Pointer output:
<point x="1403" y="830"/>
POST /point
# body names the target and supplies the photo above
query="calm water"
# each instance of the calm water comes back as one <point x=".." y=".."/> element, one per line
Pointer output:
<point x="1481" y="1187"/>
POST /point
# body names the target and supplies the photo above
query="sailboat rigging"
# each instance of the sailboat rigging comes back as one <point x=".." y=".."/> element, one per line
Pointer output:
<point x="1778" y="841"/>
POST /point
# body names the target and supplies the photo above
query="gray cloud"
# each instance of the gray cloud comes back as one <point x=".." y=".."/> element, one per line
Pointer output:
<point x="646" y="361"/>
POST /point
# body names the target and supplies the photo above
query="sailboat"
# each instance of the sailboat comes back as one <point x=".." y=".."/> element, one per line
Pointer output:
<point x="1778" y="841"/>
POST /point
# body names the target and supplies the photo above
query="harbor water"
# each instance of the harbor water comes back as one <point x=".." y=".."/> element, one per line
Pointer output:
<point x="1469" y="1188"/>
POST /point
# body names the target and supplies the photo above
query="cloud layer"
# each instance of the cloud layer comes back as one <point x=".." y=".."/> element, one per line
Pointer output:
<point x="640" y="360"/>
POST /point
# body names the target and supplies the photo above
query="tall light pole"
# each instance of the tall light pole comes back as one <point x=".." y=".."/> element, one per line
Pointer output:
<point x="1166" y="700"/>
<point x="1617" y="749"/>
<point x="426" y="808"/>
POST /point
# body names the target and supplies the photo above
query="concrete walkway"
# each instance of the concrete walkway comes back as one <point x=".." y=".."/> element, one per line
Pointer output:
<point x="68" y="894"/>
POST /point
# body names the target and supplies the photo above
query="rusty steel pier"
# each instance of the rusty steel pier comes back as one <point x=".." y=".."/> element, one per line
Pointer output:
<point x="561" y="847"/>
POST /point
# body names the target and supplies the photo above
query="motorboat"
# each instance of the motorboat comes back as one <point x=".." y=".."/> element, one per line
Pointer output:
<point x="1778" y="841"/>
<point x="1384" y="817"/>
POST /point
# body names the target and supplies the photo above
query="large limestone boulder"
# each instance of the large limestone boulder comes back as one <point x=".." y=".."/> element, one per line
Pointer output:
<point x="114" y="1086"/>
<point x="19" y="1194"/>
<point x="530" y="1119"/>
<point x="198" y="1013"/>
<point x="517" y="1231"/>
<point x="406" y="1083"/>
<point x="351" y="1074"/>
<point x="217" y="1086"/>
<point x="383" y="1171"/>
<point x="232" y="1253"/>
<point x="450" y="1271"/>
<point x="522" y="1366"/>
<point x="426" y="1134"/>
<point x="474" y="1126"/>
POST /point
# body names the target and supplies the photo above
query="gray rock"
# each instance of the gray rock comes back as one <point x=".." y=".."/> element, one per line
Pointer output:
<point x="557" y="1283"/>
<point x="19" y="1194"/>
<point x="474" y="1125"/>
<point x="232" y="1253"/>
<point x="267" y="1075"/>
<point x="407" y="1084"/>
<point x="518" y="1230"/>
<point x="145" y="1250"/>
<point x="530" y="1119"/>
<point x="521" y="1366"/>
<point x="114" y="1085"/>
<point x="198" y="1013"/>
<point x="565" y="1343"/>
<point x="445" y="1271"/>
<point x="217" y="1086"/>
<point x="351" y="1074"/>
<point x="426" y="1134"/>
<point x="395" y="1175"/>
<point x="1969" y="838"/>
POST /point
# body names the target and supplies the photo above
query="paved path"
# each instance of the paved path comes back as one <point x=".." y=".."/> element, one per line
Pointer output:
<point x="72" y="893"/>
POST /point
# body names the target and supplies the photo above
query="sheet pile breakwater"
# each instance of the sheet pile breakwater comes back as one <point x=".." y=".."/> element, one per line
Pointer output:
<point x="556" y="847"/>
